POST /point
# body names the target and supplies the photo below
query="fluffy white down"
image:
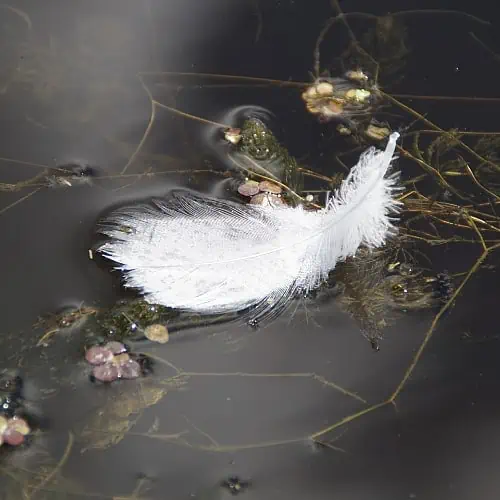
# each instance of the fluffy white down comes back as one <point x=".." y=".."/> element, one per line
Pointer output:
<point x="213" y="256"/>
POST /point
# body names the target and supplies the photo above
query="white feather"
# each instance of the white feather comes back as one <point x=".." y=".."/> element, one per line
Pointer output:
<point x="212" y="256"/>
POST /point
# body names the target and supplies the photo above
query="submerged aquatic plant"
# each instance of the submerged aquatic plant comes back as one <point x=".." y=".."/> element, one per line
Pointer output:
<point x="375" y="284"/>
<point x="257" y="150"/>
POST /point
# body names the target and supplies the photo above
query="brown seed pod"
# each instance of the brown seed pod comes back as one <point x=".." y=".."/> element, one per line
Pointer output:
<point x="324" y="89"/>
<point x="157" y="333"/>
<point x="267" y="200"/>
<point x="356" y="75"/>
<point x="332" y="108"/>
<point x="250" y="188"/>
<point x="376" y="132"/>
<point x="310" y="94"/>
<point x="269" y="187"/>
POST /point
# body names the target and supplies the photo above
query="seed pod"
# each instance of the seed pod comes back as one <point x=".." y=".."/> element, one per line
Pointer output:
<point x="19" y="425"/>
<point x="324" y="89"/>
<point x="98" y="355"/>
<point x="233" y="135"/>
<point x="269" y="187"/>
<point x="310" y="93"/>
<point x="106" y="373"/>
<point x="121" y="359"/>
<point x="250" y="188"/>
<point x="267" y="200"/>
<point x="157" y="333"/>
<point x="333" y="108"/>
<point x="356" y="75"/>
<point x="115" y="347"/>
<point x="377" y="133"/>
<point x="357" y="95"/>
<point x="130" y="370"/>
<point x="13" y="437"/>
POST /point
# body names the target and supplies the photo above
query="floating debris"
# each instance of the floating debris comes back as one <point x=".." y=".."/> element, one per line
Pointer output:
<point x="157" y="333"/>
<point x="377" y="132"/>
<point x="106" y="373"/>
<point x="339" y="98"/>
<point x="269" y="187"/>
<point x="343" y="130"/>
<point x="129" y="319"/>
<point x="67" y="321"/>
<point x="357" y="75"/>
<point x="112" y="361"/>
<point x="267" y="200"/>
<point x="233" y="135"/>
<point x="251" y="189"/>
<point x="265" y="193"/>
<point x="109" y="425"/>
<point x="130" y="369"/>
<point x="235" y="485"/>
<point x="11" y="394"/>
<point x="359" y="96"/>
<point x="13" y="430"/>
<point x="121" y="359"/>
<point x="116" y="347"/>
<point x="70" y="176"/>
<point x="443" y="287"/>
<point x="98" y="355"/>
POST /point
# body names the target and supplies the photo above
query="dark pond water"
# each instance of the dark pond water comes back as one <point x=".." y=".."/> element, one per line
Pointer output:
<point x="294" y="410"/>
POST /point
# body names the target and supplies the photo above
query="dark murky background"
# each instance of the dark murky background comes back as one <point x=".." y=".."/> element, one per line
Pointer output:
<point x="250" y="399"/>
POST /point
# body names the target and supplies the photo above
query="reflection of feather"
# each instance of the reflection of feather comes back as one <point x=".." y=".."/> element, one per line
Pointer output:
<point x="214" y="256"/>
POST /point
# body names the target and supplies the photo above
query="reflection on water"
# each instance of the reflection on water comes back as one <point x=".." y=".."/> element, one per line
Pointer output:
<point x="94" y="117"/>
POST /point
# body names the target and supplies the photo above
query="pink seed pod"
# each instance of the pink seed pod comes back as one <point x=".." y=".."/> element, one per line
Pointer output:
<point x="98" y="355"/>
<point x="106" y="373"/>
<point x="13" y="437"/>
<point x="130" y="370"/>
